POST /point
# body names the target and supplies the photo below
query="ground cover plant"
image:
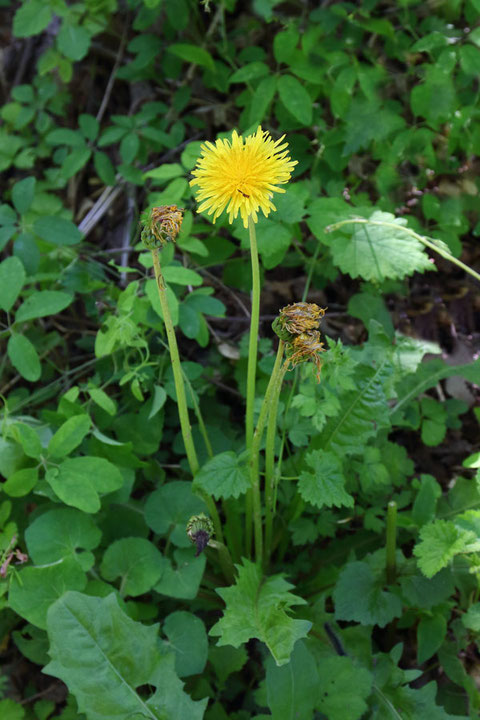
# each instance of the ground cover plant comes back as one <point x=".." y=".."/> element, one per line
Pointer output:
<point x="239" y="272"/>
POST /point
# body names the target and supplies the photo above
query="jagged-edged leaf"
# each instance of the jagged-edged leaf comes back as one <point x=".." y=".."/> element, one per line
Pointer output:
<point x="358" y="596"/>
<point x="256" y="608"/>
<point x="224" y="476"/>
<point x="377" y="252"/>
<point x="439" y="542"/>
<point x="325" y="485"/>
<point x="104" y="657"/>
<point x="363" y="411"/>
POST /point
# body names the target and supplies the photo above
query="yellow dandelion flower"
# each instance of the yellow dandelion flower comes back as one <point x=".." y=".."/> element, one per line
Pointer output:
<point x="241" y="175"/>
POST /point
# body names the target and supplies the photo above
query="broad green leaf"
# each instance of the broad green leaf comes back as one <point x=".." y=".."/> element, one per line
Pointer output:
<point x="431" y="633"/>
<point x="342" y="689"/>
<point x="325" y="486"/>
<point x="28" y="439"/>
<point x="73" y="41"/>
<point x="256" y="608"/>
<point x="89" y="126"/>
<point x="80" y="481"/>
<point x="34" y="589"/>
<point x="469" y="59"/>
<point x="104" y="657"/>
<point x="179" y="275"/>
<point x="69" y="435"/>
<point x="295" y="98"/>
<point x="434" y="99"/>
<point x="249" y="72"/>
<point x="31" y="18"/>
<point x="159" y="400"/>
<point x="422" y="592"/>
<point x="291" y="688"/>
<point x="182" y="578"/>
<point x="62" y="533"/>
<point x="21" y="482"/>
<point x="169" y="508"/>
<point x="65" y="136"/>
<point x="137" y="563"/>
<point x="42" y="303"/>
<point x="284" y="43"/>
<point x="439" y="542"/>
<point x="367" y="122"/>
<point x="103" y="166"/>
<point x="12" y="278"/>
<point x="22" y="194"/>
<point x="74" y="162"/>
<point x="376" y="253"/>
<point x="358" y="596"/>
<point x="224" y="476"/>
<point x="188" y="639"/>
<point x="57" y="230"/>
<point x="471" y="619"/>
<point x="24" y="357"/>
<point x="227" y="660"/>
<point x="193" y="54"/>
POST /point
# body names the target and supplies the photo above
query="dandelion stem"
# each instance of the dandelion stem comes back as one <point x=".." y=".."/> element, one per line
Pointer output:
<point x="270" y="479"/>
<point x="180" y="391"/>
<point x="225" y="560"/>
<point x="391" y="541"/>
<point x="272" y="389"/>
<point x="252" y="369"/>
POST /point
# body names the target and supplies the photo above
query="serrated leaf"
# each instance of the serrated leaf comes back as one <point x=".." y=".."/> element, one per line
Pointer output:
<point x="358" y="596"/>
<point x="295" y="98"/>
<point x="224" y="476"/>
<point x="43" y="303"/>
<point x="118" y="656"/>
<point x="376" y="252"/>
<point x="73" y="41"/>
<point x="79" y="481"/>
<point x="363" y="411"/>
<point x="325" y="486"/>
<point x="367" y="122"/>
<point x="31" y="18"/>
<point x="439" y="542"/>
<point x="136" y="561"/>
<point x="256" y="608"/>
<point x="62" y="533"/>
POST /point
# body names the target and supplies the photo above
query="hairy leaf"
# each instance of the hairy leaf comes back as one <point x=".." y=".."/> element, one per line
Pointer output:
<point x="325" y="486"/>
<point x="439" y="542"/>
<point x="358" y="596"/>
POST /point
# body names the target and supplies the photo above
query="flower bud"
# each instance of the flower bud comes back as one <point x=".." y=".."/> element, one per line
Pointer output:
<point x="161" y="225"/>
<point x="200" y="530"/>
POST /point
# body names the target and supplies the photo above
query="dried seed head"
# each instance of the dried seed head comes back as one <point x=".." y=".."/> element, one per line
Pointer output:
<point x="200" y="530"/>
<point x="161" y="225"/>
<point x="306" y="347"/>
<point x="297" y="318"/>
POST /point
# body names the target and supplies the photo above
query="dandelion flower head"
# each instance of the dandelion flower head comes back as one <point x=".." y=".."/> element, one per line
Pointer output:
<point x="240" y="175"/>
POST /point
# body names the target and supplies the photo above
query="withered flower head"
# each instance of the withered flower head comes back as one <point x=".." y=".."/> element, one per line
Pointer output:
<point x="200" y="530"/>
<point x="161" y="225"/>
<point x="306" y="347"/>
<point x="296" y="319"/>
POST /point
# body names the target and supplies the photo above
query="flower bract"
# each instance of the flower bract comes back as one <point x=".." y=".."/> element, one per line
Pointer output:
<point x="240" y="175"/>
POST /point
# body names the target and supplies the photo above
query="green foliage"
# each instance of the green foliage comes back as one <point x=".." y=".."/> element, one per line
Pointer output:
<point x="256" y="608"/>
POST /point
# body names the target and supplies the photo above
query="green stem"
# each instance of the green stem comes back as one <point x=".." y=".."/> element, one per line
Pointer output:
<point x="252" y="370"/>
<point x="180" y="391"/>
<point x="274" y="383"/>
<point x="225" y="560"/>
<point x="391" y="541"/>
<point x="270" y="478"/>
<point x="421" y="238"/>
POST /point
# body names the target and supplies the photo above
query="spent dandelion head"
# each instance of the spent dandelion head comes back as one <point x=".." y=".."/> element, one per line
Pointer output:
<point x="297" y="318"/>
<point x="305" y="347"/>
<point x="161" y="225"/>
<point x="240" y="175"/>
